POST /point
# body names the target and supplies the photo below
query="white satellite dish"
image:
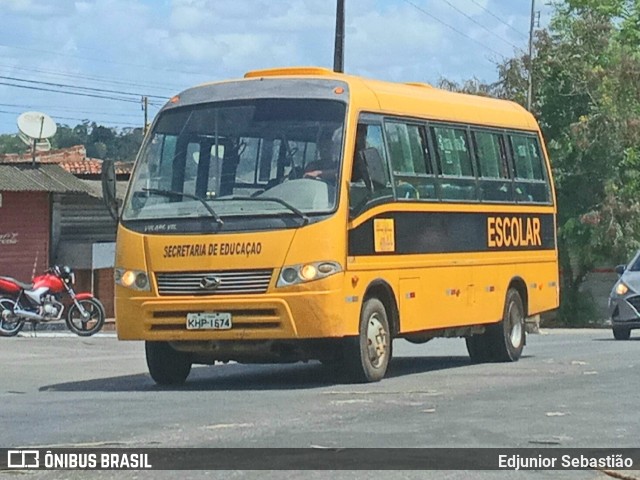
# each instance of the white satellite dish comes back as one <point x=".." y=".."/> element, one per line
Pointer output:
<point x="35" y="129"/>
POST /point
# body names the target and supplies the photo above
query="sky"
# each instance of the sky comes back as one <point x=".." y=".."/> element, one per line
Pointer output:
<point x="96" y="59"/>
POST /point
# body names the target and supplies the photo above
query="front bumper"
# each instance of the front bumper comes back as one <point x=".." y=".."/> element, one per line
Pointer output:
<point x="623" y="311"/>
<point x="292" y="315"/>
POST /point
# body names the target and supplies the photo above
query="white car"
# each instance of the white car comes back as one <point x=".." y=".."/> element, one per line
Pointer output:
<point x="624" y="300"/>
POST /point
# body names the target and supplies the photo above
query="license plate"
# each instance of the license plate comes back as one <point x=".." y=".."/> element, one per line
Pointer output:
<point x="208" y="321"/>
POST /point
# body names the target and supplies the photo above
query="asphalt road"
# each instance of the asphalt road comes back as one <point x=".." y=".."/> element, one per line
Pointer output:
<point x="572" y="388"/>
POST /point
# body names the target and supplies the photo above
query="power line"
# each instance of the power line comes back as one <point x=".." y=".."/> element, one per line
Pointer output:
<point x="106" y="80"/>
<point x="129" y="100"/>
<point x="453" y="28"/>
<point x="109" y="122"/>
<point x="101" y="90"/>
<point x="481" y="25"/>
<point x="499" y="19"/>
<point x="109" y="62"/>
<point x="22" y="107"/>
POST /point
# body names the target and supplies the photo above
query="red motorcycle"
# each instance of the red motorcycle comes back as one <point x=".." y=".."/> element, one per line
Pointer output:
<point x="39" y="302"/>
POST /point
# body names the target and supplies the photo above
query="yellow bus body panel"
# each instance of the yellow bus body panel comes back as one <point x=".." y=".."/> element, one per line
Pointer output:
<point x="431" y="291"/>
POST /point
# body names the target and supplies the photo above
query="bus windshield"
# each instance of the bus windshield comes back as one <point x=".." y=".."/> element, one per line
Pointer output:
<point x="261" y="157"/>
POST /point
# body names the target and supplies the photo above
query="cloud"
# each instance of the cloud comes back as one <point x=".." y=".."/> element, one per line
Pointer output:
<point x="38" y="8"/>
<point x="163" y="46"/>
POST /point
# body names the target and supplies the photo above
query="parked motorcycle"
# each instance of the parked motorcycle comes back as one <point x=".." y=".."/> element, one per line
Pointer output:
<point x="39" y="302"/>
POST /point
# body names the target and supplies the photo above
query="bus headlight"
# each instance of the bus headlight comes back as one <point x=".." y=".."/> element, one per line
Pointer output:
<point x="307" y="272"/>
<point x="134" y="279"/>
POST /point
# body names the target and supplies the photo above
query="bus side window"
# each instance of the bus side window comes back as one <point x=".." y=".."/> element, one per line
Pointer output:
<point x="457" y="180"/>
<point x="531" y="183"/>
<point x="412" y="172"/>
<point x="368" y="136"/>
<point x="495" y="184"/>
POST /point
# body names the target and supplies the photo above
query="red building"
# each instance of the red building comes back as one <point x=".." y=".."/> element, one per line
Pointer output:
<point x="52" y="213"/>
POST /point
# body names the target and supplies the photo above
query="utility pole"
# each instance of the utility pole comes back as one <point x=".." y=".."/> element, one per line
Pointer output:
<point x="338" y="52"/>
<point x="530" y="66"/>
<point x="145" y="108"/>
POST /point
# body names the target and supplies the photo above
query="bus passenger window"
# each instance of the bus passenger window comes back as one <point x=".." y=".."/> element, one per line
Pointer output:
<point x="412" y="172"/>
<point x="531" y="184"/>
<point x="526" y="158"/>
<point x="494" y="182"/>
<point x="406" y="148"/>
<point x="458" y="182"/>
<point x="453" y="152"/>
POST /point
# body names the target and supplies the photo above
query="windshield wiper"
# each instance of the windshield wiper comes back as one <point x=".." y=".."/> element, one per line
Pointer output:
<point x="173" y="193"/>
<point x="305" y="219"/>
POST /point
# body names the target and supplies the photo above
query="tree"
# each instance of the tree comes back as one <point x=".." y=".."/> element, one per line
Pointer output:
<point x="587" y="75"/>
<point x="587" y="100"/>
<point x="11" y="144"/>
<point x="472" y="86"/>
<point x="99" y="141"/>
<point x="66" y="136"/>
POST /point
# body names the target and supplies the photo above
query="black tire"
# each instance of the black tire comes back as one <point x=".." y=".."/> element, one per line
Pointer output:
<point x="478" y="349"/>
<point x="502" y="341"/>
<point x="10" y="326"/>
<point x="167" y="366"/>
<point x="621" y="333"/>
<point x="367" y="356"/>
<point x="85" y="326"/>
<point x="506" y="339"/>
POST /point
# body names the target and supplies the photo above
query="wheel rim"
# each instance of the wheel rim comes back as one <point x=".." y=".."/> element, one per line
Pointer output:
<point x="85" y="323"/>
<point x="514" y="318"/>
<point x="9" y="322"/>
<point x="377" y="346"/>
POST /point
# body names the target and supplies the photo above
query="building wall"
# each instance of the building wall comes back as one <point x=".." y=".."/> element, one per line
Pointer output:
<point x="102" y="283"/>
<point x="598" y="284"/>
<point x="24" y="234"/>
<point x="106" y="287"/>
<point x="78" y="222"/>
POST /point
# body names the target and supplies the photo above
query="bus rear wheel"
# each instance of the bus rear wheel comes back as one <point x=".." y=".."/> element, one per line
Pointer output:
<point x="502" y="341"/>
<point x="167" y="366"/>
<point x="478" y="349"/>
<point x="507" y="338"/>
<point x="367" y="356"/>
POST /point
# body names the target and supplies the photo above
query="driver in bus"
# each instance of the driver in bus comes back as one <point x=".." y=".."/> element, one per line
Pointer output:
<point x="326" y="167"/>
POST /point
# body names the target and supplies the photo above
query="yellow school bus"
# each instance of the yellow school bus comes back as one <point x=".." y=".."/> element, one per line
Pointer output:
<point x="301" y="214"/>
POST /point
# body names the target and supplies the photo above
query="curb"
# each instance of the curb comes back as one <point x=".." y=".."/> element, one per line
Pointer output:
<point x="59" y="326"/>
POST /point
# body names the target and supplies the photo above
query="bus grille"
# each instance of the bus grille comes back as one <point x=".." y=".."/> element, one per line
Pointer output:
<point x="228" y="282"/>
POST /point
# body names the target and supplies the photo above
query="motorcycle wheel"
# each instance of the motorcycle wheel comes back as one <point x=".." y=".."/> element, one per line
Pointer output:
<point x="92" y="323"/>
<point x="10" y="326"/>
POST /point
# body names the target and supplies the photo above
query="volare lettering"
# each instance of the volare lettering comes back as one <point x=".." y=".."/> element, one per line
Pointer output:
<point x="505" y="232"/>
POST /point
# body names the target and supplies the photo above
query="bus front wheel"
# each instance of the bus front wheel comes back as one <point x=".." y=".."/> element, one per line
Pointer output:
<point x="167" y="366"/>
<point x="367" y="356"/>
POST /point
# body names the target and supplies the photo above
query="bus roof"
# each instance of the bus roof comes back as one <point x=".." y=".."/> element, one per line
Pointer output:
<point x="419" y="100"/>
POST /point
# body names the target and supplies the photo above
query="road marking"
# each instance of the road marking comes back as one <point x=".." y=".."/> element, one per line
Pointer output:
<point x="228" y="425"/>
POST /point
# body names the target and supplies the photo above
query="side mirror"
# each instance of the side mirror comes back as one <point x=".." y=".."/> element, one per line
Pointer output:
<point x="620" y="269"/>
<point x="108" y="178"/>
